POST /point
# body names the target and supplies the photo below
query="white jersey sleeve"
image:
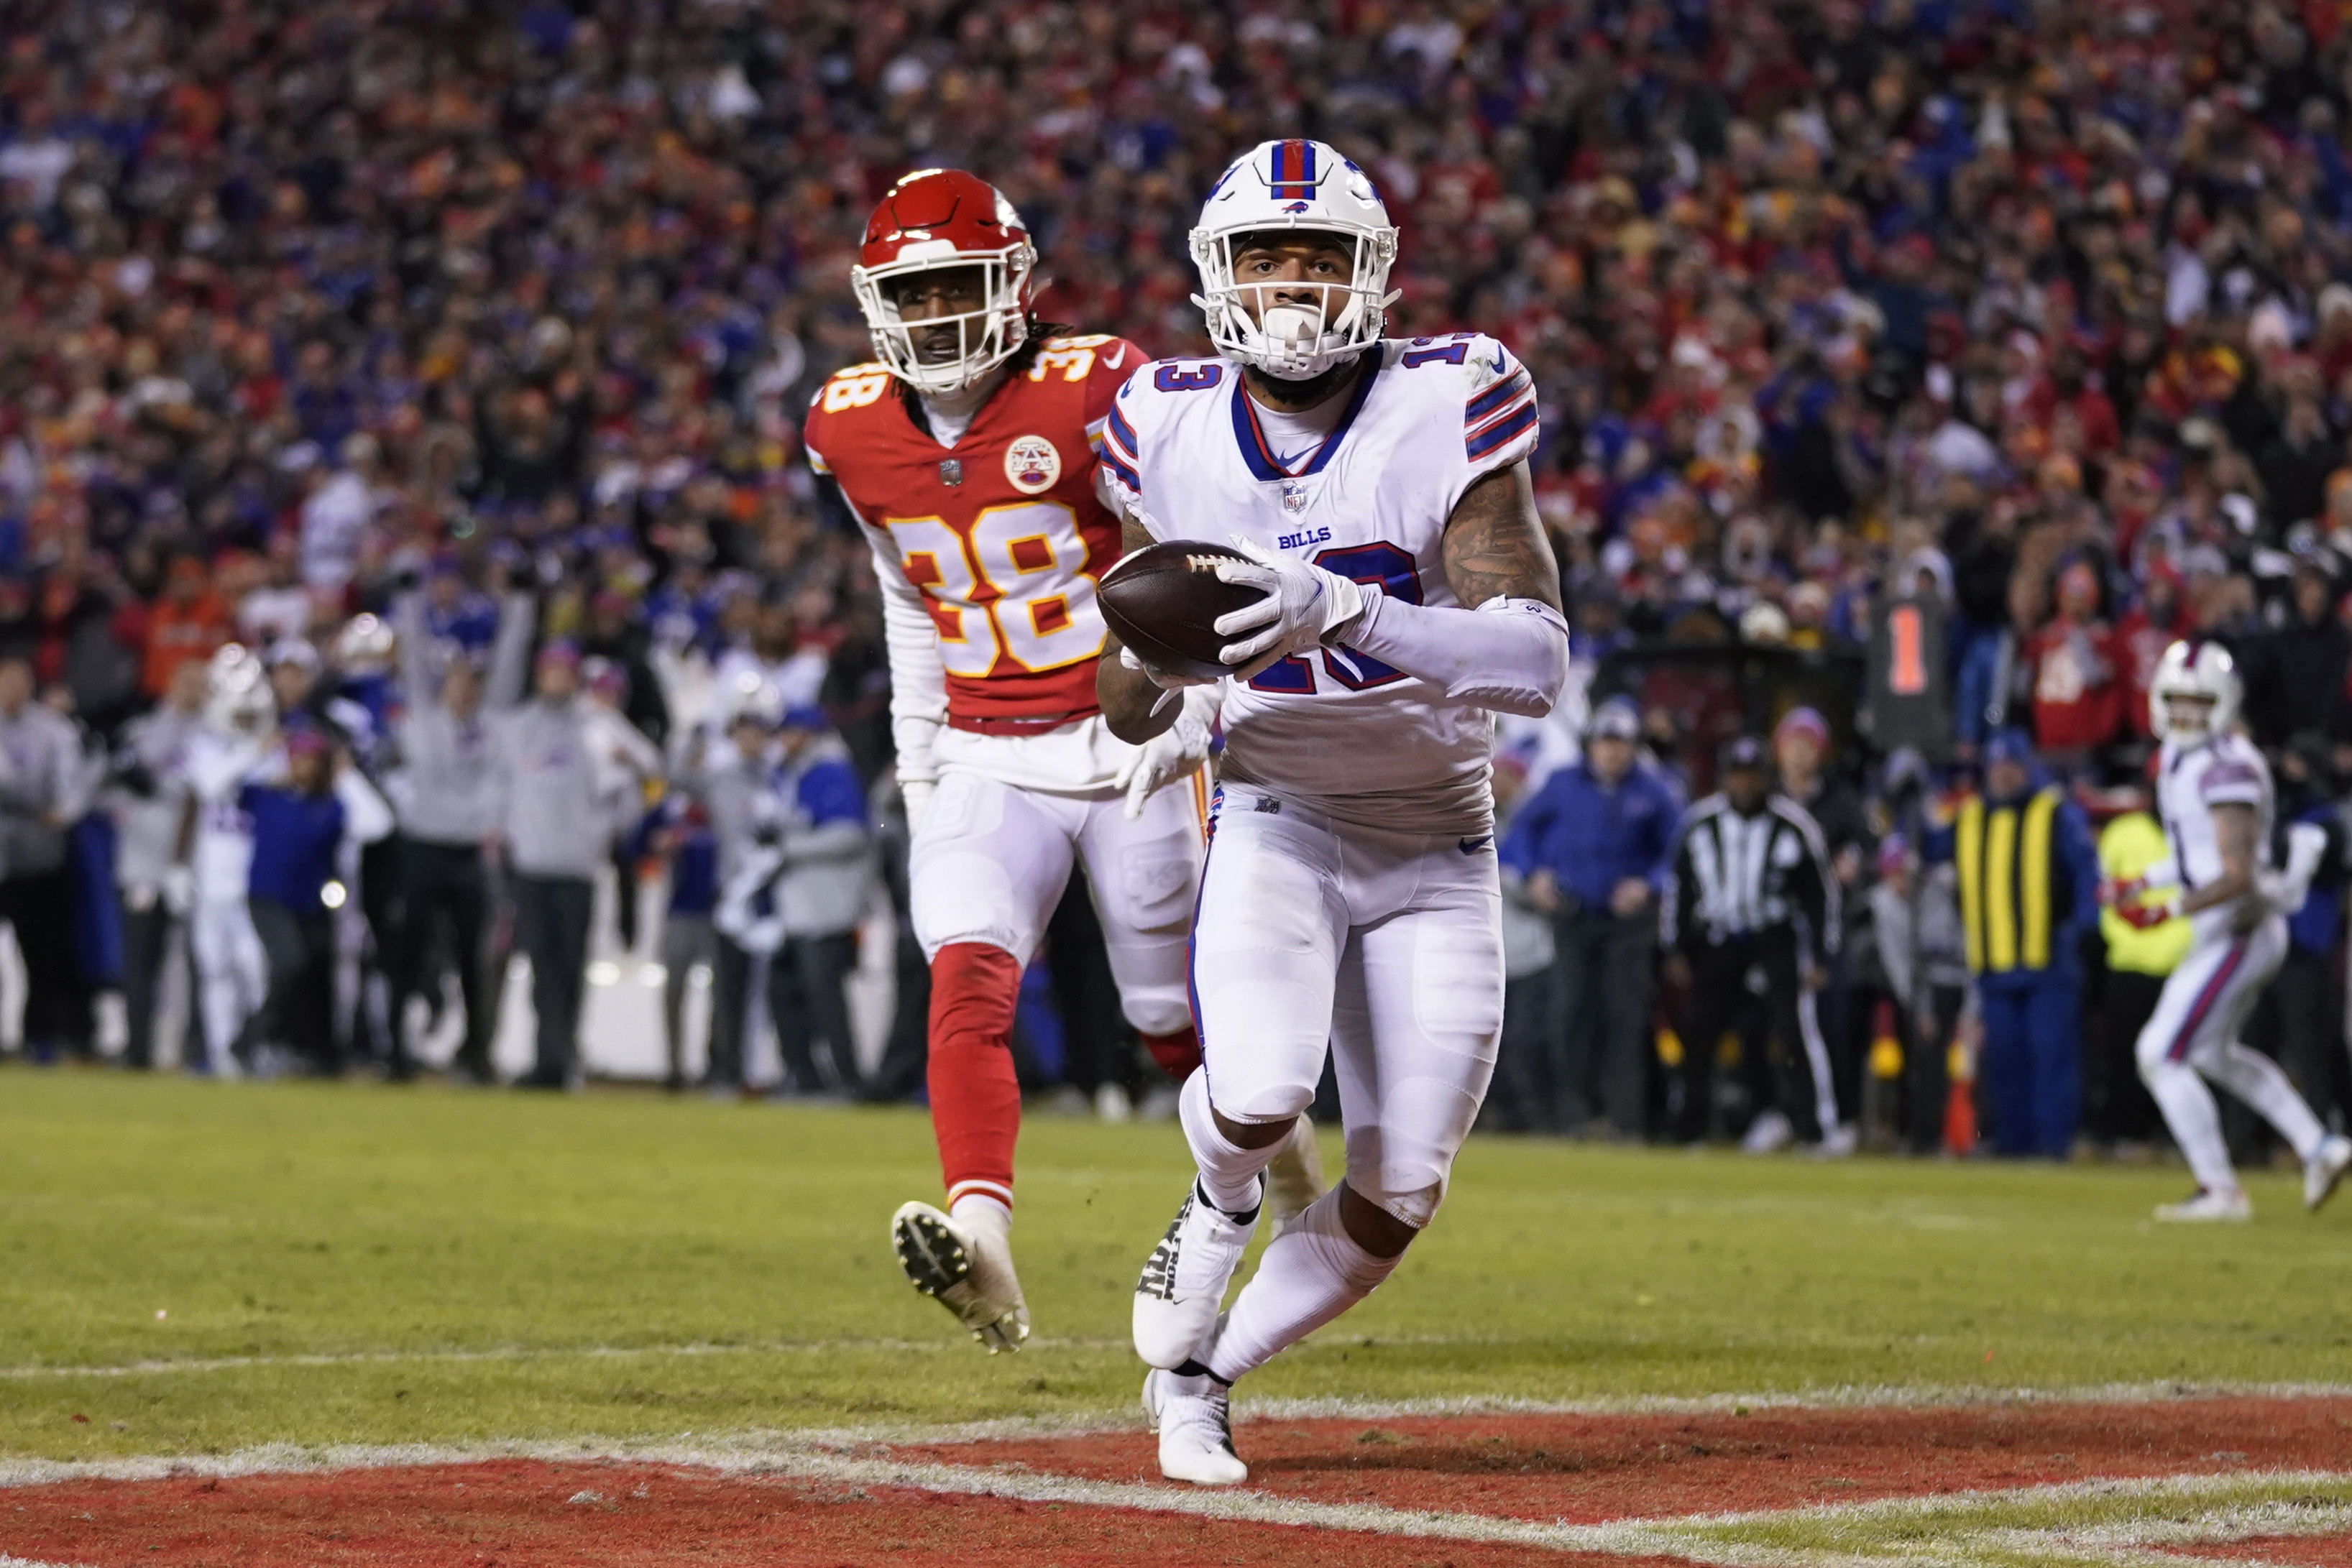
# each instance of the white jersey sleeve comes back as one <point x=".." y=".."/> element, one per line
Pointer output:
<point x="1499" y="420"/>
<point x="919" y="680"/>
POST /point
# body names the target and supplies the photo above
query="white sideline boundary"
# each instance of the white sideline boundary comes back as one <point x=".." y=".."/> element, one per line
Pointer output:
<point x="1692" y="1537"/>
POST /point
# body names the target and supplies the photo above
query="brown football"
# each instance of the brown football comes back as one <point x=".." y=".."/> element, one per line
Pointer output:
<point x="1163" y="602"/>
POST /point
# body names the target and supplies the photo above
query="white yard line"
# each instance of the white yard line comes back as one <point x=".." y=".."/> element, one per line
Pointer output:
<point x="505" y="1353"/>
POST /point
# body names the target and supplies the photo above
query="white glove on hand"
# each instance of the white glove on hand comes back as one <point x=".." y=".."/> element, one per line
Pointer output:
<point x="1174" y="753"/>
<point x="917" y="794"/>
<point x="1303" y="604"/>
<point x="179" y="891"/>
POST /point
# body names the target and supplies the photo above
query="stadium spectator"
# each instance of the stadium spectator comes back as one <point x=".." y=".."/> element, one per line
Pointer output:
<point x="148" y="798"/>
<point x="798" y="894"/>
<point x="449" y="809"/>
<point x="1592" y="848"/>
<point x="44" y="790"/>
<point x="559" y="802"/>
<point x="300" y="829"/>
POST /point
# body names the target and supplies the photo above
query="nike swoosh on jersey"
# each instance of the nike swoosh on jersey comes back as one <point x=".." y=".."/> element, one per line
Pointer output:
<point x="1472" y="846"/>
<point x="1115" y="361"/>
<point x="1499" y="360"/>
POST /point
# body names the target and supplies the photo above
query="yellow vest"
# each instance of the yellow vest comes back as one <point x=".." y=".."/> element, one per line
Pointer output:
<point x="2003" y="857"/>
<point x="2127" y="847"/>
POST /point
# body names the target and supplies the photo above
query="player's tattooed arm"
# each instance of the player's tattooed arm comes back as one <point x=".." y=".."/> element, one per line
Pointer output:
<point x="1128" y="696"/>
<point x="1496" y="546"/>
<point x="2233" y="835"/>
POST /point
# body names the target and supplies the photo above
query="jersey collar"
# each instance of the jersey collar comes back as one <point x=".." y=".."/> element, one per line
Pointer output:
<point x="1260" y="456"/>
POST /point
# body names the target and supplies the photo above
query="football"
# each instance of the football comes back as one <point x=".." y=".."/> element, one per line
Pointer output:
<point x="1163" y="602"/>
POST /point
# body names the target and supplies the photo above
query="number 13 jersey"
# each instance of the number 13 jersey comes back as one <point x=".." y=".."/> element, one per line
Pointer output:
<point x="1189" y="454"/>
<point x="988" y="552"/>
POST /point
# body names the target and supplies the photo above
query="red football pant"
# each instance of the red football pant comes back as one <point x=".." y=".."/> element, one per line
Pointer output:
<point x="975" y="1098"/>
<point x="1176" y="1053"/>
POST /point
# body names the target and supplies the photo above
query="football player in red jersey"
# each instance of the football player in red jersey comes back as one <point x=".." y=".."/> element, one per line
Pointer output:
<point x="966" y="452"/>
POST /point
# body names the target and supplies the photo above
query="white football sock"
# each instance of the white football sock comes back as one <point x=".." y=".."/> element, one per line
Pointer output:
<point x="2196" y="1122"/>
<point x="1310" y="1274"/>
<point x="979" y="1211"/>
<point x="1228" y="1171"/>
<point x="2257" y="1080"/>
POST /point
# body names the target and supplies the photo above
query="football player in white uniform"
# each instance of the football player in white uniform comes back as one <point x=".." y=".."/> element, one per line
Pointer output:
<point x="1350" y="900"/>
<point x="231" y="750"/>
<point x="2213" y="795"/>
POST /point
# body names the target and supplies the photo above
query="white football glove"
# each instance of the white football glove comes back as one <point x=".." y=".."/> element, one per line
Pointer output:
<point x="1303" y="604"/>
<point x="917" y="794"/>
<point x="179" y="891"/>
<point x="1176" y="752"/>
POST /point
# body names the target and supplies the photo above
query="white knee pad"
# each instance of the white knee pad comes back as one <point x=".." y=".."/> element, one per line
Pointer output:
<point x="1415" y="1208"/>
<point x="1156" y="1010"/>
<point x="1259" y="1102"/>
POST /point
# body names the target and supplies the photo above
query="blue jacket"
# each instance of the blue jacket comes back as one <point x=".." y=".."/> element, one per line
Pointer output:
<point x="295" y="837"/>
<point x="1592" y="837"/>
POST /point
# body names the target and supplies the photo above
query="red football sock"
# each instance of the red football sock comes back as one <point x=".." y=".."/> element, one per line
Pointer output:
<point x="975" y="1098"/>
<point x="1177" y="1053"/>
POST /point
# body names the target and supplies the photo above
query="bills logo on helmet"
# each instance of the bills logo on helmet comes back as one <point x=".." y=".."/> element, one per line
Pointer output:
<point x="1033" y="463"/>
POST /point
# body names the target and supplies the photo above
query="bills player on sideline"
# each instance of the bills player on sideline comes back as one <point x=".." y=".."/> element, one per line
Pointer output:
<point x="1350" y="900"/>
<point x="232" y="749"/>
<point x="966" y="452"/>
<point x="2213" y="795"/>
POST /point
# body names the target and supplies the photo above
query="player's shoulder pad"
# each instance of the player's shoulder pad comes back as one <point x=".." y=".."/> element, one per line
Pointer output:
<point x="1498" y="394"/>
<point x="852" y="386"/>
<point x="1176" y="377"/>
<point x="1083" y="356"/>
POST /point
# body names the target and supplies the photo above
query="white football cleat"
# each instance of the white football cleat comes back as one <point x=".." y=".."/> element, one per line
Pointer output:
<point x="1194" y="1416"/>
<point x="1184" y="1279"/>
<point x="1767" y="1135"/>
<point x="2208" y="1208"/>
<point x="967" y="1269"/>
<point x="1296" y="1178"/>
<point x="2325" y="1169"/>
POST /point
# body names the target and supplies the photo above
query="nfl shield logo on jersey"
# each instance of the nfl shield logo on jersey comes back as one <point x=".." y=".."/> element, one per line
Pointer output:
<point x="1294" y="496"/>
<point x="1033" y="463"/>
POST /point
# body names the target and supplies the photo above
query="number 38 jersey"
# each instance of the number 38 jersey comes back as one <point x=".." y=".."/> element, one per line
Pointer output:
<point x="1189" y="454"/>
<point x="998" y="539"/>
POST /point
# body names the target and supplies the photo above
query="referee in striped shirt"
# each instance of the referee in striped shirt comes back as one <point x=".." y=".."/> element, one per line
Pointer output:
<point x="1750" y="913"/>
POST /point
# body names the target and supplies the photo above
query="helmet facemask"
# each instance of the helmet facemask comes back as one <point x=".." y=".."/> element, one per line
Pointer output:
<point x="1297" y="339"/>
<point x="983" y="337"/>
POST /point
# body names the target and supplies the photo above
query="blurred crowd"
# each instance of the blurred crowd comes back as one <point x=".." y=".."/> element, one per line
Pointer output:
<point x="1992" y="346"/>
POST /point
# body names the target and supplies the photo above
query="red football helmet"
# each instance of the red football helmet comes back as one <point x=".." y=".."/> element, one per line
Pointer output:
<point x="942" y="218"/>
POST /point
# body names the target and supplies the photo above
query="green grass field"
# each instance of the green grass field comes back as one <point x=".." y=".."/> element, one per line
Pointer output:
<point x="477" y="1265"/>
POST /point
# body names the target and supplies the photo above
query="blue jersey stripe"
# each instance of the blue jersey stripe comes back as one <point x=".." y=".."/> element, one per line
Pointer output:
<point x="1495" y="396"/>
<point x="1503" y="433"/>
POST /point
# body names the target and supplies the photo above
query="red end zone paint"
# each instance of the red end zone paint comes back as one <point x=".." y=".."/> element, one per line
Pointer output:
<point x="1581" y="1469"/>
<point x="517" y="1514"/>
<point x="1588" y="1469"/>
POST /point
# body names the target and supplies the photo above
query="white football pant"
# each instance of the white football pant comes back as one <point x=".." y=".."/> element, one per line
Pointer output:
<point x="993" y="859"/>
<point x="232" y="971"/>
<point x="2193" y="1036"/>
<point x="1384" y="947"/>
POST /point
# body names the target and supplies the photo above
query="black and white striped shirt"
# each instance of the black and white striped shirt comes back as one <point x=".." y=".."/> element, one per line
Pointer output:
<point x="1740" y="876"/>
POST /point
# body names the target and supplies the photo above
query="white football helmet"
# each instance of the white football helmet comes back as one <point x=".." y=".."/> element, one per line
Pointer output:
<point x="1295" y="185"/>
<point x="2194" y="668"/>
<point x="365" y="645"/>
<point x="752" y="698"/>
<point x="241" y="702"/>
